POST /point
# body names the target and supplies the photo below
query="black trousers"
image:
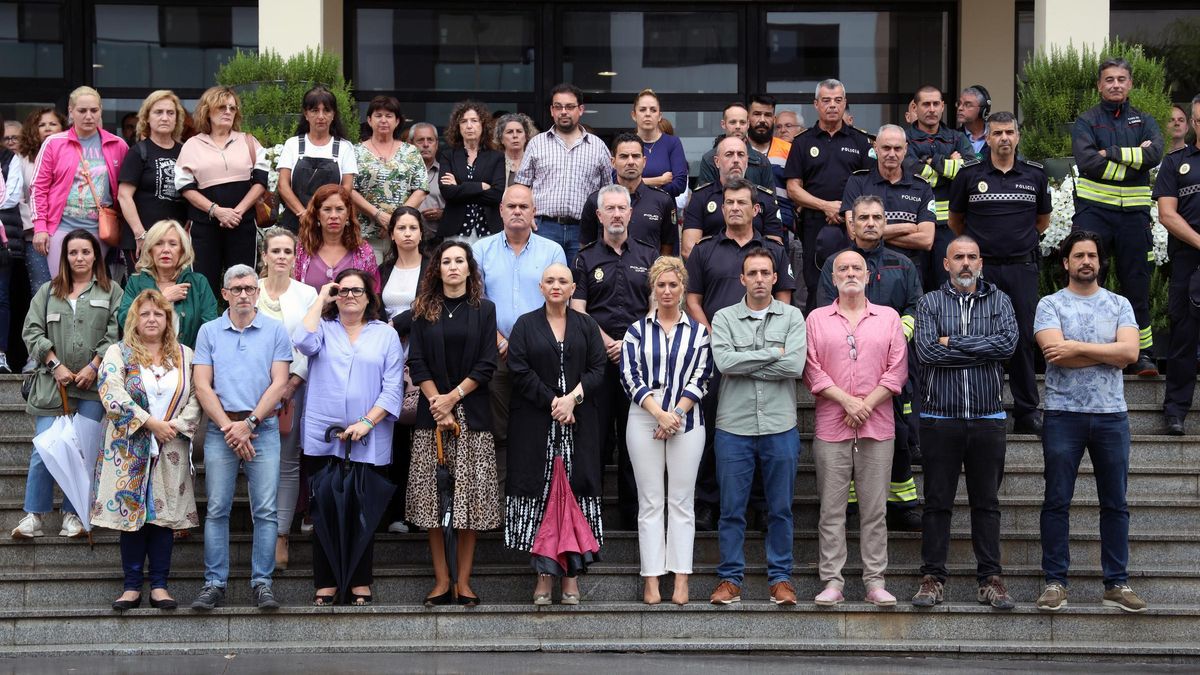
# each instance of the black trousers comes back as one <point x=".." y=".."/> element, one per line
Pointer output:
<point x="934" y="271"/>
<point x="1185" y="329"/>
<point x="364" y="573"/>
<point x="612" y="411"/>
<point x="820" y="240"/>
<point x="402" y="438"/>
<point x="1020" y="282"/>
<point x="977" y="447"/>
<point x="1127" y="235"/>
<point x="218" y="249"/>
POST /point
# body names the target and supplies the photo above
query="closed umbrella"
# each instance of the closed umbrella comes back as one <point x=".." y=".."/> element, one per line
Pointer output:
<point x="445" y="491"/>
<point x="69" y="449"/>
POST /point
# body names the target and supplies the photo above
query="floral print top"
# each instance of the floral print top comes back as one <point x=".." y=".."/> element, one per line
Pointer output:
<point x="387" y="184"/>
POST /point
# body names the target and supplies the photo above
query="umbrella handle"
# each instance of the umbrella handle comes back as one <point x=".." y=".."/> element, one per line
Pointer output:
<point x="62" y="393"/>
<point x="441" y="453"/>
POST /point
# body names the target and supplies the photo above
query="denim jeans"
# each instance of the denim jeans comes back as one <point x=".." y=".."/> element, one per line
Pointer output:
<point x="151" y="542"/>
<point x="37" y="266"/>
<point x="776" y="456"/>
<point x="220" y="478"/>
<point x="566" y="236"/>
<point x="1106" y="437"/>
<point x="39" y="484"/>
<point x="5" y="303"/>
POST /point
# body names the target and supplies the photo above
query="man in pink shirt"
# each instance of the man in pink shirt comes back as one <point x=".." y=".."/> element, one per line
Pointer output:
<point x="856" y="364"/>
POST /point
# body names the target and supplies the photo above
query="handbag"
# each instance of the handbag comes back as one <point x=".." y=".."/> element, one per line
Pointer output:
<point x="408" y="407"/>
<point x="263" y="215"/>
<point x="110" y="227"/>
<point x="31" y="376"/>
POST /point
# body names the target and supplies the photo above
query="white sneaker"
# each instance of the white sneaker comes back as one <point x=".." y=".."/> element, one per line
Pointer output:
<point x="72" y="526"/>
<point x="306" y="526"/>
<point x="398" y="527"/>
<point x="29" y="527"/>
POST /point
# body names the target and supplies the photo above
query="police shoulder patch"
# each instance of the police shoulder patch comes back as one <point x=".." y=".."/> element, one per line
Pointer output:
<point x="703" y="185"/>
<point x="589" y="245"/>
<point x="971" y="162"/>
<point x="860" y="172"/>
<point x="763" y="189"/>
<point x="1030" y="162"/>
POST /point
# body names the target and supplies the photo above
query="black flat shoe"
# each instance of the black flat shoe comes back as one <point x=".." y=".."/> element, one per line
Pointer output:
<point x="468" y="601"/>
<point x="443" y="599"/>
<point x="323" y="600"/>
<point x="122" y="605"/>
<point x="165" y="604"/>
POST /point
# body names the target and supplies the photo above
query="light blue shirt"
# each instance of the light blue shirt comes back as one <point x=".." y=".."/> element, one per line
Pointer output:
<point x="512" y="281"/>
<point x="1092" y="318"/>
<point x="241" y="359"/>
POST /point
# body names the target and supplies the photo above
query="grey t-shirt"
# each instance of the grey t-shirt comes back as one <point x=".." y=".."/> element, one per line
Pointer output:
<point x="1092" y="318"/>
<point x="81" y="209"/>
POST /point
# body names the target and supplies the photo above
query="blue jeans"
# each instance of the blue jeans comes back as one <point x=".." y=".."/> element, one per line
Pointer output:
<point x="776" y="456"/>
<point x="37" y="266"/>
<point x="1106" y="437"/>
<point x="220" y="478"/>
<point x="566" y="236"/>
<point x="39" y="484"/>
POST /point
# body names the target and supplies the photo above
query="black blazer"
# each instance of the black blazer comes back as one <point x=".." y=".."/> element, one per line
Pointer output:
<point x="533" y="361"/>
<point x="385" y="273"/>
<point x="489" y="168"/>
<point x="427" y="360"/>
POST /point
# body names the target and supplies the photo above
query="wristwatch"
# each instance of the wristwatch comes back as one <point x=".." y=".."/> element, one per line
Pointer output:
<point x="53" y="364"/>
<point x="252" y="422"/>
<point x="578" y="399"/>
<point x="679" y="411"/>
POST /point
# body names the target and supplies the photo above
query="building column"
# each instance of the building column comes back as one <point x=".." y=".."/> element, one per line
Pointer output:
<point x="1060" y="23"/>
<point x="987" y="41"/>
<point x="291" y="26"/>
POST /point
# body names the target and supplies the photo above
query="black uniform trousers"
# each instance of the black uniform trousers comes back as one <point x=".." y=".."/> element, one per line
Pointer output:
<point x="1127" y="235"/>
<point x="1019" y="281"/>
<point x="1185" y="330"/>
<point x="821" y="240"/>
<point x="935" y="272"/>
<point x="612" y="411"/>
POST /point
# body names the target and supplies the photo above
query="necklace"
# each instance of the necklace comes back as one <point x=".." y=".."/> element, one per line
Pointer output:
<point x="450" y="312"/>
<point x="383" y="157"/>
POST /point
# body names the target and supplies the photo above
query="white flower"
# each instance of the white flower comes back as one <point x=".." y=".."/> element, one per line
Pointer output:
<point x="273" y="172"/>
<point x="1062" y="198"/>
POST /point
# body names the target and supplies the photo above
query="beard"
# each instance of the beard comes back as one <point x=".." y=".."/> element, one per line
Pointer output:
<point x="760" y="135"/>
<point x="963" y="280"/>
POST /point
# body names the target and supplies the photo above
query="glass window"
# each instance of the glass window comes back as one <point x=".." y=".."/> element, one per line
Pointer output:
<point x="1169" y="34"/>
<point x="168" y="46"/>
<point x="1024" y="39"/>
<point x="693" y="52"/>
<point x="432" y="50"/>
<point x="31" y="42"/>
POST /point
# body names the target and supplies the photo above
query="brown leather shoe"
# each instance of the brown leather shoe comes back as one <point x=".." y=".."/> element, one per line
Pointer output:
<point x="783" y="593"/>
<point x="728" y="593"/>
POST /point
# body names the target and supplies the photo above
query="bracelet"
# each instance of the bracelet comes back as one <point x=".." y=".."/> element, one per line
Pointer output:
<point x="143" y="236"/>
<point x="367" y="422"/>
<point x="93" y="366"/>
<point x="461" y="394"/>
<point x="211" y="207"/>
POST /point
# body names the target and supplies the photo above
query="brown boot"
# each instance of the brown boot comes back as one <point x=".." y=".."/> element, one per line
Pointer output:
<point x="281" y="552"/>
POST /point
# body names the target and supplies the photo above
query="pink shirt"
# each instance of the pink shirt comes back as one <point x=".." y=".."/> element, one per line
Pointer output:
<point x="881" y="361"/>
<point x="312" y="270"/>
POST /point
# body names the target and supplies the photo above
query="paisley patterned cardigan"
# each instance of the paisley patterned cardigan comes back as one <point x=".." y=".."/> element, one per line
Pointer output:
<point x="132" y="488"/>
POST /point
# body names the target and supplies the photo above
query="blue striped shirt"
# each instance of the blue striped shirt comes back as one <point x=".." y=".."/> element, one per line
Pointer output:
<point x="678" y="364"/>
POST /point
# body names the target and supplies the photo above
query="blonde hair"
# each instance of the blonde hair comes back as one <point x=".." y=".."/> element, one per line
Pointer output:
<point x="143" y="115"/>
<point x="160" y="229"/>
<point x="170" y="342"/>
<point x="209" y="100"/>
<point x="83" y="91"/>
<point x="268" y="234"/>
<point x="666" y="264"/>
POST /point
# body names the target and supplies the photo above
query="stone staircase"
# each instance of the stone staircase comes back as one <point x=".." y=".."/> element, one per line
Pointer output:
<point x="55" y="593"/>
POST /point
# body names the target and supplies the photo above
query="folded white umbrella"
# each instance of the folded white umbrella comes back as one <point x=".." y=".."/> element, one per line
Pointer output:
<point x="69" y="449"/>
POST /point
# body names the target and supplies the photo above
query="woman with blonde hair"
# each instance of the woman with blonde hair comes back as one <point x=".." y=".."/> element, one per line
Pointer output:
<point x="144" y="483"/>
<point x="222" y="173"/>
<point x="165" y="266"/>
<point x="74" y="177"/>
<point x="147" y="179"/>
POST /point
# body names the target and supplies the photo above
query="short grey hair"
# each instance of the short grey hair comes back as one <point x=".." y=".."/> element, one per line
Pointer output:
<point x="614" y="189"/>
<point x="1004" y="117"/>
<point x="520" y="118"/>
<point x="864" y="200"/>
<point x="891" y="127"/>
<point x="237" y="272"/>
<point x="831" y="83"/>
<point x="413" y="129"/>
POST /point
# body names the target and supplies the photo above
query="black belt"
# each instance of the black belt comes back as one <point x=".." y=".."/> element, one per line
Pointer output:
<point x="1009" y="260"/>
<point x="561" y="220"/>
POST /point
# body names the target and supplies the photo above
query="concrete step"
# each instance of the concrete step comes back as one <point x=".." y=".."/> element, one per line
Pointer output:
<point x="1144" y="418"/>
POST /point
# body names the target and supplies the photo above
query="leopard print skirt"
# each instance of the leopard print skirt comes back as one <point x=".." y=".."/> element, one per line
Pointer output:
<point x="472" y="461"/>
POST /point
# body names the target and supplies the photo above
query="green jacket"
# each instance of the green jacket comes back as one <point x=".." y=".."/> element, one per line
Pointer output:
<point x="199" y="307"/>
<point x="76" y="336"/>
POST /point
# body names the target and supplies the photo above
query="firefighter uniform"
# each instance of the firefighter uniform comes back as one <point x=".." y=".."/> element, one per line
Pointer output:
<point x="933" y="162"/>
<point x="1179" y="177"/>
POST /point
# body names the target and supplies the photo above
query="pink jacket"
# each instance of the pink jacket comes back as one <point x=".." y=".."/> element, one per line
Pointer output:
<point x="54" y="172"/>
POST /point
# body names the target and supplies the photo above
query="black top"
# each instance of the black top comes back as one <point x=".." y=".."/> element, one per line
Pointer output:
<point x="489" y="168"/>
<point x="825" y="161"/>
<point x="704" y="212"/>
<point x="1001" y="208"/>
<point x="615" y="285"/>
<point x="151" y="170"/>
<point x="652" y="219"/>
<point x="454" y="333"/>
<point x="715" y="269"/>
<point x="1179" y="177"/>
<point x="892" y="280"/>
<point x="908" y="200"/>
<point x="448" y="351"/>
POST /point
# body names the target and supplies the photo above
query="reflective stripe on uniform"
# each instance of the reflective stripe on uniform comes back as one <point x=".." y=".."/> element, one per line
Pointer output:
<point x="950" y="167"/>
<point x="930" y="176"/>
<point x="1113" y="172"/>
<point x="853" y="499"/>
<point x="906" y="323"/>
<point x="941" y="210"/>
<point x="1128" y="196"/>
<point x="1145" y="338"/>
<point x="902" y="492"/>
<point x="1132" y="157"/>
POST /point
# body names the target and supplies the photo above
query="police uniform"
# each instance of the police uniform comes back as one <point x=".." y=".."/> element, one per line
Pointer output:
<point x="651" y="219"/>
<point x="908" y="200"/>
<point x="1112" y="194"/>
<point x="714" y="271"/>
<point x="758" y="167"/>
<point x="823" y="162"/>
<point x="932" y="156"/>
<point x="1000" y="210"/>
<point x="617" y="291"/>
<point x="892" y="280"/>
<point x="704" y="212"/>
<point x="1179" y="177"/>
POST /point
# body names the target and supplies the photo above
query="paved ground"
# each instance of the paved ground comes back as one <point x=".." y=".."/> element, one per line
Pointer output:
<point x="551" y="664"/>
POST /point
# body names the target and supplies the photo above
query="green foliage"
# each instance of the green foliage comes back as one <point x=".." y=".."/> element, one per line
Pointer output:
<point x="272" y="88"/>
<point x="1060" y="85"/>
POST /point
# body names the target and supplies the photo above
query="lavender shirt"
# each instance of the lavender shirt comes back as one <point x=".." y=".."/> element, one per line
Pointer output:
<point x="345" y="381"/>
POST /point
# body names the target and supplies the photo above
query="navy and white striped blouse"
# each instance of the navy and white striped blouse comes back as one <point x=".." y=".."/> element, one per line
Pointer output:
<point x="679" y="365"/>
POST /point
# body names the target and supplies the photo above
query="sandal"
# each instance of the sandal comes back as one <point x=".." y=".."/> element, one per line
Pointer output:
<point x="360" y="600"/>
<point x="323" y="600"/>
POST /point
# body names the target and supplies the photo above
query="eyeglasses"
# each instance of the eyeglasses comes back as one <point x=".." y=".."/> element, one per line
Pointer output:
<point x="351" y="292"/>
<point x="569" y="107"/>
<point x="228" y="108"/>
<point x="853" y="347"/>
<point x="242" y="290"/>
<point x="11" y="139"/>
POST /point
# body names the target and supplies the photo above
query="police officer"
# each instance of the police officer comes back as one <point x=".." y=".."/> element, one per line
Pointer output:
<point x="714" y="273"/>
<point x="907" y="198"/>
<point x="652" y="211"/>
<point x="1115" y="146"/>
<point x="1003" y="203"/>
<point x="735" y="121"/>
<point x="612" y="285"/>
<point x="821" y="160"/>
<point x="704" y="217"/>
<point x="892" y="280"/>
<point x="938" y="152"/>
<point x="1178" y="193"/>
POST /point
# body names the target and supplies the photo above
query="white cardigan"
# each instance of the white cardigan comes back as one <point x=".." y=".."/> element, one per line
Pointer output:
<point x="294" y="304"/>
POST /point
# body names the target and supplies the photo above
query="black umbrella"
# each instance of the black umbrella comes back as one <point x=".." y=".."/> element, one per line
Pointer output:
<point x="348" y="501"/>
<point x="445" y="490"/>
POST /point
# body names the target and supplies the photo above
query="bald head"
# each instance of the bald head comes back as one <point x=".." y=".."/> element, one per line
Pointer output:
<point x="849" y="273"/>
<point x="516" y="209"/>
<point x="731" y="158"/>
<point x="557" y="285"/>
